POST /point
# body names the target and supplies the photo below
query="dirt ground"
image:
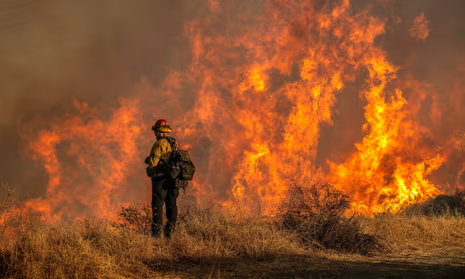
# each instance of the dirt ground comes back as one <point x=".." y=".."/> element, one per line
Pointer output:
<point x="409" y="264"/>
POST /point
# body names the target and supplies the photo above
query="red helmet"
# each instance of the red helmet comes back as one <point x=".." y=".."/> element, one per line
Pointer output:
<point x="162" y="126"/>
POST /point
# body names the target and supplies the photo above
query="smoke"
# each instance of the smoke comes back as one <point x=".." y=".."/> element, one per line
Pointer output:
<point x="53" y="51"/>
<point x="96" y="51"/>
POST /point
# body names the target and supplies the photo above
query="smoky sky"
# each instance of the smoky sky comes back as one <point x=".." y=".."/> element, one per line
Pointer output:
<point x="52" y="51"/>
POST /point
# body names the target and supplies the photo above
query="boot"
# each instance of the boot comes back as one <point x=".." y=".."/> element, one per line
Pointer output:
<point x="156" y="230"/>
<point x="169" y="229"/>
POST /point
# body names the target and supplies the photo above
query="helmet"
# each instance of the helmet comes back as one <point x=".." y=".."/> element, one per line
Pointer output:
<point x="162" y="126"/>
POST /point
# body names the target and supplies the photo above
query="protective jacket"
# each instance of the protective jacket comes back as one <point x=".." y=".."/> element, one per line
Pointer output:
<point x="160" y="149"/>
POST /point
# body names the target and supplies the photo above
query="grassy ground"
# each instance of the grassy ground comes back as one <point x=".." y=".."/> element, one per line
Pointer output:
<point x="214" y="244"/>
<point x="218" y="243"/>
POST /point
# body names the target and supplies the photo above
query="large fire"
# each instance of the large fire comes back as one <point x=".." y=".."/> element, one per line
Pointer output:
<point x="264" y="79"/>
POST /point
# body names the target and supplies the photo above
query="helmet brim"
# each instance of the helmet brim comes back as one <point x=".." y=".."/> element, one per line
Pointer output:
<point x="164" y="129"/>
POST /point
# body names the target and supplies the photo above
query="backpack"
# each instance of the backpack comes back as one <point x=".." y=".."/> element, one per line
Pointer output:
<point x="177" y="164"/>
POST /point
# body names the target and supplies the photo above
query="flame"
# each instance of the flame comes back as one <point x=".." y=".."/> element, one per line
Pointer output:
<point x="96" y="155"/>
<point x="380" y="175"/>
<point x="420" y="29"/>
<point x="263" y="81"/>
<point x="282" y="147"/>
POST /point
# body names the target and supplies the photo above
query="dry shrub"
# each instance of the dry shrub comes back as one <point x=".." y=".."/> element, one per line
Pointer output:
<point x="315" y="214"/>
<point x="446" y="205"/>
<point x="136" y="218"/>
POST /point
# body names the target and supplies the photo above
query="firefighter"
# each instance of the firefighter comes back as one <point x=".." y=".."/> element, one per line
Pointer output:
<point x="164" y="190"/>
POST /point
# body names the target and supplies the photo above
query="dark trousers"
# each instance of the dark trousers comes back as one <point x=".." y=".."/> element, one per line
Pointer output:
<point x="164" y="192"/>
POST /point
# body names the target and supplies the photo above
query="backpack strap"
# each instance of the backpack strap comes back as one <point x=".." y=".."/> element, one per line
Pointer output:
<point x="172" y="141"/>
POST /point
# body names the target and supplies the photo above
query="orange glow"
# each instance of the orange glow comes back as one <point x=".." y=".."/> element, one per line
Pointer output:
<point x="251" y="105"/>
<point x="420" y="29"/>
<point x="95" y="157"/>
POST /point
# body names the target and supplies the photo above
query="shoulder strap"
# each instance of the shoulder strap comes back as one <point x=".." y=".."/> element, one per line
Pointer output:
<point x="172" y="141"/>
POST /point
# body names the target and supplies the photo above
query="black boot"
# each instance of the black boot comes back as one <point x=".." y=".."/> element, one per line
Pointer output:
<point x="156" y="230"/>
<point x="169" y="229"/>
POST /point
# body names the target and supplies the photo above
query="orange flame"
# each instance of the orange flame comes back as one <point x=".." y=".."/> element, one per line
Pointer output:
<point x="263" y="81"/>
<point x="96" y="155"/>
<point x="381" y="176"/>
<point x="420" y="29"/>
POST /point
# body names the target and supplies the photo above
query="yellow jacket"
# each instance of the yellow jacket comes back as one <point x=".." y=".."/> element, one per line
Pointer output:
<point x="160" y="148"/>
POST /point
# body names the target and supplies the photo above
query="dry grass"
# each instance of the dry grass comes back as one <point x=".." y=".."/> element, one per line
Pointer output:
<point x="436" y="224"/>
<point x="406" y="232"/>
<point x="90" y="249"/>
<point x="94" y="248"/>
<point x="231" y="234"/>
<point x="99" y="249"/>
<point x="7" y="197"/>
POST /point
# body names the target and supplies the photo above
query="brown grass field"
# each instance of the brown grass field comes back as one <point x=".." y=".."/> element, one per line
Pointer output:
<point x="218" y="243"/>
